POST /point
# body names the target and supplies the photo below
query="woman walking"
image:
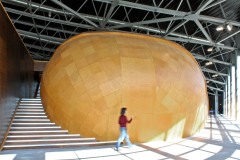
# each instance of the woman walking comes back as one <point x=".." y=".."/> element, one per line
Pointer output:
<point x="123" y="128"/>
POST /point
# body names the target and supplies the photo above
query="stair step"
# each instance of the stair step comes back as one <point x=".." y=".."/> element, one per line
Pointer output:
<point x="35" y="128"/>
<point x="30" y="110"/>
<point x="34" y="100"/>
<point x="47" y="141"/>
<point x="31" y="120"/>
<point x="24" y="105"/>
<point x="30" y="117"/>
<point x="30" y="99"/>
<point x="32" y="129"/>
<point x="37" y="132"/>
<point x="58" y="145"/>
<point x="30" y="137"/>
<point x="30" y="104"/>
<point x="32" y="124"/>
<point x="30" y="113"/>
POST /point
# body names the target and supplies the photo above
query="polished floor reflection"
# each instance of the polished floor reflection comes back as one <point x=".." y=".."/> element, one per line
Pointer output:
<point x="220" y="140"/>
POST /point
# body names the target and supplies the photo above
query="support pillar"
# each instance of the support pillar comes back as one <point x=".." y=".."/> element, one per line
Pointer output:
<point x="237" y="52"/>
<point x="216" y="103"/>
<point x="228" y="96"/>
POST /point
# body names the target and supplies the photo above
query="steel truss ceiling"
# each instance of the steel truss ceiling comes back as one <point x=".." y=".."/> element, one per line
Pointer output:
<point x="43" y="25"/>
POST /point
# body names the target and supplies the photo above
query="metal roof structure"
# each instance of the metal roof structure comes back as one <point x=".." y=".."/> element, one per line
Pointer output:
<point x="44" y="24"/>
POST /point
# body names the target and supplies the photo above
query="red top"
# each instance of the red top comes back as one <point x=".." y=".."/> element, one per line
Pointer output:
<point x="123" y="121"/>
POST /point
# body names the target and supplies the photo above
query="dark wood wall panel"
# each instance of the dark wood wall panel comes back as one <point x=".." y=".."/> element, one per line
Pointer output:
<point x="16" y="71"/>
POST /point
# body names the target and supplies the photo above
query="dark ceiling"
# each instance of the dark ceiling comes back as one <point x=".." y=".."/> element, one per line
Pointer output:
<point x="44" y="24"/>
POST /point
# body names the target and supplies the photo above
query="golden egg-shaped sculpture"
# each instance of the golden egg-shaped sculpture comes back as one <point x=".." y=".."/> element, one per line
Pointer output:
<point x="93" y="75"/>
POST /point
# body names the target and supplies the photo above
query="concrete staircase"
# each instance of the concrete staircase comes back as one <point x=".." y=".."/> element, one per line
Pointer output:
<point x="31" y="128"/>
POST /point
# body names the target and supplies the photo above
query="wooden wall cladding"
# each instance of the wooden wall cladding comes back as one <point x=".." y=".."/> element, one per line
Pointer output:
<point x="92" y="75"/>
<point x="16" y="71"/>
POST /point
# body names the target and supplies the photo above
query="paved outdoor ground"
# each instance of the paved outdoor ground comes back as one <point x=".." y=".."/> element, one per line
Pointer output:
<point x="220" y="140"/>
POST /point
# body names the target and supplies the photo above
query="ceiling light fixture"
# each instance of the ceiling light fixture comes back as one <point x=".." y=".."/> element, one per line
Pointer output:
<point x="208" y="63"/>
<point x="215" y="75"/>
<point x="229" y="26"/>
<point x="210" y="49"/>
<point x="220" y="28"/>
<point x="49" y="14"/>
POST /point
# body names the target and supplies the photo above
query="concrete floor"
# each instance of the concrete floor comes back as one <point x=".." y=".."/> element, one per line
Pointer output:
<point x="220" y="140"/>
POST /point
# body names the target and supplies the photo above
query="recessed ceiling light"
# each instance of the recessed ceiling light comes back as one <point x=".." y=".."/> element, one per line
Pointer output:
<point x="215" y="75"/>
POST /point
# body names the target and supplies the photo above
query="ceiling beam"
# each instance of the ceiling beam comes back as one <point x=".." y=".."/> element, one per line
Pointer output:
<point x="35" y="37"/>
<point x="44" y="27"/>
<point x="198" y="41"/>
<point x="106" y="19"/>
<point x="214" y="4"/>
<point x="39" y="48"/>
<point x="51" y="38"/>
<point x="129" y="5"/>
<point x="201" y="8"/>
<point x="136" y="24"/>
<point x="231" y="35"/>
<point x="75" y="13"/>
<point x="204" y="31"/>
<point x="213" y="88"/>
<point x="218" y="82"/>
<point x="40" y="55"/>
<point x="147" y="8"/>
<point x="212" y="71"/>
<point x="175" y="28"/>
<point x="218" y="20"/>
<point x="169" y="11"/>
<point x="197" y="56"/>
<point x="49" y="19"/>
<point x="211" y="93"/>
<point x="183" y="38"/>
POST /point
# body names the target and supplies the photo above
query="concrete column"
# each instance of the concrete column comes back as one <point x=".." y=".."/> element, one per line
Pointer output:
<point x="229" y="95"/>
<point x="216" y="103"/>
<point x="237" y="52"/>
<point x="224" y="100"/>
<point x="233" y="92"/>
<point x="237" y="58"/>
